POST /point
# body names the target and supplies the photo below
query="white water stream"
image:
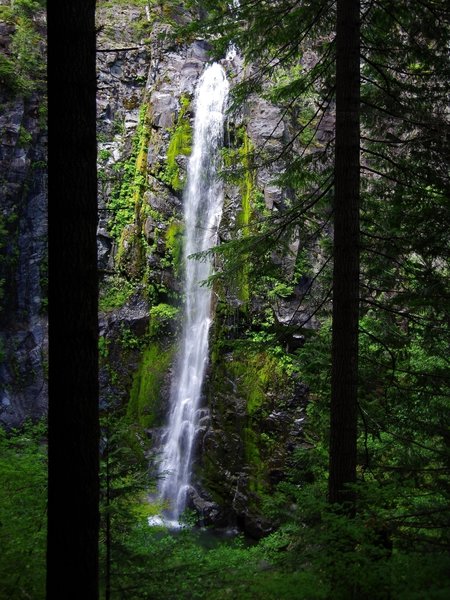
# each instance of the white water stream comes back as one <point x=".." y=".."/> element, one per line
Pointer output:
<point x="203" y="200"/>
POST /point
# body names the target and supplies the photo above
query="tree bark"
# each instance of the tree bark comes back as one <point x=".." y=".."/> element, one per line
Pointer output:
<point x="344" y="376"/>
<point x="73" y="439"/>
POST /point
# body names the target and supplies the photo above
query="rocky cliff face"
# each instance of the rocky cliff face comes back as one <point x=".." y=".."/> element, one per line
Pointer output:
<point x="146" y="83"/>
<point x="251" y="423"/>
<point x="23" y="247"/>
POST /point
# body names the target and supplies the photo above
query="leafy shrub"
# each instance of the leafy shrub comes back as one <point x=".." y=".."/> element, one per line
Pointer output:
<point x="114" y="293"/>
<point x="161" y="316"/>
<point x="10" y="80"/>
<point x="23" y="478"/>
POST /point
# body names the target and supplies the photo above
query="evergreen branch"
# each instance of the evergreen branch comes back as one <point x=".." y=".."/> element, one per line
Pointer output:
<point x="397" y="142"/>
<point x="120" y="49"/>
<point x="308" y="289"/>
<point x="402" y="313"/>
<point x="385" y="176"/>
<point x="402" y="118"/>
<point x="325" y="299"/>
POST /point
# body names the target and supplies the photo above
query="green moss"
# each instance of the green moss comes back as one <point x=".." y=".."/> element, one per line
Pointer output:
<point x="104" y="155"/>
<point x="103" y="348"/>
<point x="180" y="143"/>
<point x="143" y="407"/>
<point x="7" y="15"/>
<point x="258" y="377"/>
<point x="247" y="190"/>
<point x="247" y="183"/>
<point x="174" y="246"/>
<point x="257" y="374"/>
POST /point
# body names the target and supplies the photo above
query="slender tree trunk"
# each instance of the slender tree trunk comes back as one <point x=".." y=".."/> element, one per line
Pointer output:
<point x="73" y="489"/>
<point x="344" y="377"/>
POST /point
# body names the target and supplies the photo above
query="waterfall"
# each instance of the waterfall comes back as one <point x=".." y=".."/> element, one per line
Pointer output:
<point x="203" y="199"/>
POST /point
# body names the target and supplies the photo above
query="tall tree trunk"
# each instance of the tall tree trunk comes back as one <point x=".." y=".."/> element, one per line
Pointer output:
<point x="73" y="489"/>
<point x="344" y="376"/>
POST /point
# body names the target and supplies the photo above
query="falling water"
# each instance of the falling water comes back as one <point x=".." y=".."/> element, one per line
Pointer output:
<point x="203" y="201"/>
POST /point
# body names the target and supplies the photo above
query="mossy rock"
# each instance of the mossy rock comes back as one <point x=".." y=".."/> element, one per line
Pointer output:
<point x="145" y="403"/>
<point x="243" y="445"/>
<point x="180" y="144"/>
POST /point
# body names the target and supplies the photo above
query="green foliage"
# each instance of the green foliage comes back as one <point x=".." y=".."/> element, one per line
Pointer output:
<point x="23" y="479"/>
<point x="128" y="340"/>
<point x="104" y="155"/>
<point x="24" y="138"/>
<point x="195" y="564"/>
<point x="238" y="161"/>
<point x="124" y="480"/>
<point x="103" y="348"/>
<point x="28" y="7"/>
<point x="126" y="198"/>
<point x="244" y="152"/>
<point x="162" y="317"/>
<point x="258" y="373"/>
<point x="259" y="379"/>
<point x="6" y="14"/>
<point x="114" y="292"/>
<point x="247" y="186"/>
<point x="24" y="71"/>
<point x="10" y="80"/>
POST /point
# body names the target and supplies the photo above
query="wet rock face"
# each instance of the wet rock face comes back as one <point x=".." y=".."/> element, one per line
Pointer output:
<point x="248" y="441"/>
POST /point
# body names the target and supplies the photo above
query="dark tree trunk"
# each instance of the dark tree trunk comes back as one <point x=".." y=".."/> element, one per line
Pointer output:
<point x="344" y="377"/>
<point x="73" y="489"/>
<point x="108" y="539"/>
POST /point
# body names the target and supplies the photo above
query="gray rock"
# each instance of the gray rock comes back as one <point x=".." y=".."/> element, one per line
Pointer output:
<point x="134" y="316"/>
<point x="209" y="513"/>
<point x="164" y="107"/>
<point x="272" y="195"/>
<point x="291" y="312"/>
<point x="265" y="127"/>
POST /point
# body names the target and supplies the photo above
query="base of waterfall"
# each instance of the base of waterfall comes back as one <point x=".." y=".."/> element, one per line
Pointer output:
<point x="161" y="521"/>
<point x="200" y="512"/>
<point x="208" y="536"/>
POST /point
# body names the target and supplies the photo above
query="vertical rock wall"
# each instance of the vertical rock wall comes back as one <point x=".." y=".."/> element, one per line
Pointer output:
<point x="23" y="248"/>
